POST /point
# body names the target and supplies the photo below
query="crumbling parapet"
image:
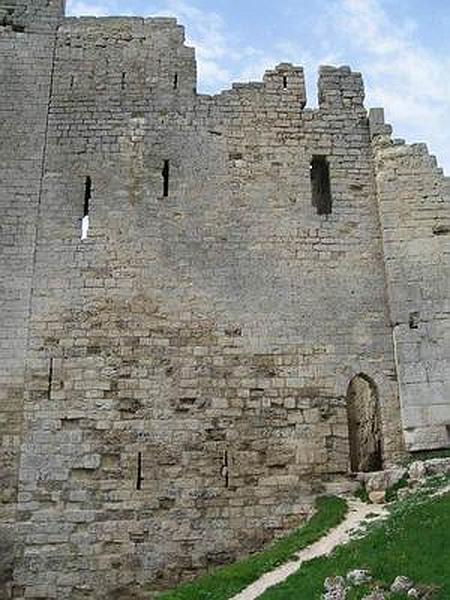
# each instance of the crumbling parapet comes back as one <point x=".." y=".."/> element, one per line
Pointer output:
<point x="30" y="16"/>
<point x="288" y="82"/>
<point x="340" y="88"/>
<point x="414" y="207"/>
<point x="377" y="124"/>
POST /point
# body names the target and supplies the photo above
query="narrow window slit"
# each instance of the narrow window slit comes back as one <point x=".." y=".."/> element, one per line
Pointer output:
<point x="139" y="477"/>
<point x="72" y="81"/>
<point x="320" y="185"/>
<point x="285" y="82"/>
<point x="165" y="174"/>
<point x="175" y="81"/>
<point x="123" y="82"/>
<point x="87" y="198"/>
<point x="225" y="469"/>
<point x="50" y="378"/>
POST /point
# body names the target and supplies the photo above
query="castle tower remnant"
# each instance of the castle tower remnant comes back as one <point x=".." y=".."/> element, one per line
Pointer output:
<point x="27" y="44"/>
<point x="205" y="311"/>
<point x="31" y="16"/>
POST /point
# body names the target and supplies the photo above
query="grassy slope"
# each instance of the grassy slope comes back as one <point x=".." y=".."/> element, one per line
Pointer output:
<point x="227" y="581"/>
<point x="414" y="541"/>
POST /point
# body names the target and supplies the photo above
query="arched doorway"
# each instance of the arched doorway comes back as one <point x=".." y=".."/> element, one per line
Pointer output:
<point x="364" y="425"/>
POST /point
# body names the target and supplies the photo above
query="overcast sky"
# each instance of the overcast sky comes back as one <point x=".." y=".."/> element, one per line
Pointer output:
<point x="402" y="48"/>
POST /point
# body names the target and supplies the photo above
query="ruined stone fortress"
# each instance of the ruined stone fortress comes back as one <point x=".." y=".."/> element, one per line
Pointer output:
<point x="213" y="308"/>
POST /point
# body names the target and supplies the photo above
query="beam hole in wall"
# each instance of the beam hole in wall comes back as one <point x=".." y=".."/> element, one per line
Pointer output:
<point x="364" y="430"/>
<point x="320" y="185"/>
<point x="414" y="318"/>
<point x="165" y="175"/>
<point x="87" y="199"/>
<point x="441" y="229"/>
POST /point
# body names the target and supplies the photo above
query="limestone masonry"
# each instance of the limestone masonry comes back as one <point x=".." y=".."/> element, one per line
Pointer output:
<point x="212" y="307"/>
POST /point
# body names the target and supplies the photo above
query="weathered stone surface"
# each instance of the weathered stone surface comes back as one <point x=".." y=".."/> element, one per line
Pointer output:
<point x="382" y="480"/>
<point x="417" y="470"/>
<point x="401" y="585"/>
<point x="377" y="497"/>
<point x="434" y="466"/>
<point x="359" y="577"/>
<point x="335" y="588"/>
<point x="376" y="595"/>
<point x="413" y="199"/>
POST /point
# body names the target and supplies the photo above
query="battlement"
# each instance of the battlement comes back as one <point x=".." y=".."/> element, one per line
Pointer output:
<point x="106" y="60"/>
<point x="32" y="15"/>
<point x="340" y="88"/>
<point x="287" y="80"/>
<point x="110" y="27"/>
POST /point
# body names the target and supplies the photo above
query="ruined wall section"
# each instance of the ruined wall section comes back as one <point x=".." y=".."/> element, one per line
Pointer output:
<point x="286" y="276"/>
<point x="103" y="347"/>
<point x="414" y="203"/>
<point x="25" y="77"/>
<point x="31" y="16"/>
<point x="189" y="360"/>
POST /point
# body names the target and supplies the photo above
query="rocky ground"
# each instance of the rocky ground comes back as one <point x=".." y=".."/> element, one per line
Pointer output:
<point x="338" y="588"/>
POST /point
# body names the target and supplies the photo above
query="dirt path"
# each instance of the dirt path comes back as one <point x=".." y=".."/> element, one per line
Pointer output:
<point x="357" y="512"/>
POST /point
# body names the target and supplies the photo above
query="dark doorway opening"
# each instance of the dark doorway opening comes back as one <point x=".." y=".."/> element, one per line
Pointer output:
<point x="364" y="428"/>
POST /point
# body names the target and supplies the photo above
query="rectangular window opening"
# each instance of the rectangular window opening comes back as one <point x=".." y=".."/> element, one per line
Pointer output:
<point x="175" y="81"/>
<point x="165" y="174"/>
<point x="139" y="478"/>
<point x="123" y="82"/>
<point x="87" y="198"/>
<point x="285" y="82"/>
<point x="320" y="185"/>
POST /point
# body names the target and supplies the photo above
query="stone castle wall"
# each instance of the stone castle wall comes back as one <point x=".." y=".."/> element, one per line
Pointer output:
<point x="187" y="363"/>
<point x="414" y="208"/>
<point x="26" y="60"/>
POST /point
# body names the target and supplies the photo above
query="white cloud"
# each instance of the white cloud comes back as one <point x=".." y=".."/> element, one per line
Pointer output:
<point x="402" y="75"/>
<point x="78" y="8"/>
<point x="207" y="33"/>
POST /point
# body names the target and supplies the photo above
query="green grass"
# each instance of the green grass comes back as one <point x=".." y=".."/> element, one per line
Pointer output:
<point x="413" y="541"/>
<point x="392" y="492"/>
<point x="358" y="593"/>
<point x="362" y="494"/>
<point x="227" y="581"/>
